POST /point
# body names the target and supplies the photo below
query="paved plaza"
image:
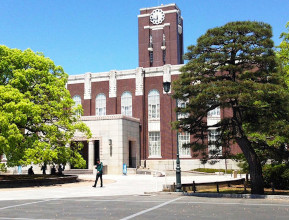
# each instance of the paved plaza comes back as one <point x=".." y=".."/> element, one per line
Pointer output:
<point x="114" y="185"/>
<point x="125" y="197"/>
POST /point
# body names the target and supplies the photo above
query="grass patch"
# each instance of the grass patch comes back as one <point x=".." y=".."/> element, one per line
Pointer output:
<point x="208" y="170"/>
<point x="238" y="189"/>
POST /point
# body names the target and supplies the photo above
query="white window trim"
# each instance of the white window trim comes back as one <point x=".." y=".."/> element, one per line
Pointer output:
<point x="153" y="100"/>
<point x="160" y="148"/>
<point x="102" y="106"/>
<point x="181" y="145"/>
<point x="77" y="102"/>
<point x="213" y="146"/>
<point x="126" y="103"/>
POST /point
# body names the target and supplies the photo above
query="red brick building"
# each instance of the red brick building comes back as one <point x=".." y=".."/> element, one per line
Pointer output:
<point x="128" y="111"/>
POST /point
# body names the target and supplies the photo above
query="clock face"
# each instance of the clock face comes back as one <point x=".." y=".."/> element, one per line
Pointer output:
<point x="157" y="16"/>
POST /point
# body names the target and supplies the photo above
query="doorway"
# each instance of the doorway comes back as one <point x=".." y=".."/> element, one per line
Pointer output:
<point x="131" y="154"/>
<point x="96" y="151"/>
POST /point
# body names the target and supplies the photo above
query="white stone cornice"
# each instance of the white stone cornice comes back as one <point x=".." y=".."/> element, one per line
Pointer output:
<point x="161" y="6"/>
<point x="165" y="12"/>
<point x="125" y="74"/>
<point x="75" y="79"/>
<point x="108" y="117"/>
<point x="157" y="27"/>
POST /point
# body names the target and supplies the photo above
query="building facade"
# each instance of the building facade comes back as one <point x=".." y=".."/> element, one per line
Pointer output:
<point x="128" y="111"/>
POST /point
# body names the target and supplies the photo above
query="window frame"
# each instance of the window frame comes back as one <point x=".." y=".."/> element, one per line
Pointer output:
<point x="126" y="103"/>
<point x="154" y="105"/>
<point x="184" y="138"/>
<point x="76" y="103"/>
<point x="212" y="146"/>
<point x="100" y="104"/>
<point x="155" y="150"/>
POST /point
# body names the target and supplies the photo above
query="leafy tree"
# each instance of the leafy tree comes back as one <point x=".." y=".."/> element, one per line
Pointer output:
<point x="283" y="52"/>
<point x="234" y="67"/>
<point x="37" y="117"/>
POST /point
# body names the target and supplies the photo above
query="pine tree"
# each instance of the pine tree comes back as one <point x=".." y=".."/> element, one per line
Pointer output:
<point x="234" y="67"/>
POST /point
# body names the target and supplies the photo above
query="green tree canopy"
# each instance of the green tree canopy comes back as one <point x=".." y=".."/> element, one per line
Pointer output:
<point x="234" y="67"/>
<point x="37" y="118"/>
<point x="283" y="52"/>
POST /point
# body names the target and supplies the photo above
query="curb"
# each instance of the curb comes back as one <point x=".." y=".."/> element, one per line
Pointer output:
<point x="39" y="182"/>
<point x="222" y="195"/>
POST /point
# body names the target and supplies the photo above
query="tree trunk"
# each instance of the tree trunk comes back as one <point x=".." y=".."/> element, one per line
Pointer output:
<point x="255" y="168"/>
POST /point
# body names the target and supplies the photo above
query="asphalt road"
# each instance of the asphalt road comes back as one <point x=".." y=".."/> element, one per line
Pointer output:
<point x="145" y="207"/>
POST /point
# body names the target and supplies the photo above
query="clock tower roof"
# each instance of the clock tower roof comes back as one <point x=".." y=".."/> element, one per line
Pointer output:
<point x="146" y="10"/>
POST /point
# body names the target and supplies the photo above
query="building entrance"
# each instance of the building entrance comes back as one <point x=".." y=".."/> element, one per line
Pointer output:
<point x="132" y="154"/>
<point x="96" y="151"/>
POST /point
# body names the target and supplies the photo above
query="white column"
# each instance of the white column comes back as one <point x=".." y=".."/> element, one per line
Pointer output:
<point x="90" y="155"/>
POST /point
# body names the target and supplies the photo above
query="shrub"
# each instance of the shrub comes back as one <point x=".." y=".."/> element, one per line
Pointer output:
<point x="276" y="174"/>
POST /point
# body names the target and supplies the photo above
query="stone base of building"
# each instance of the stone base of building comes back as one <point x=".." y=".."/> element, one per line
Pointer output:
<point x="189" y="164"/>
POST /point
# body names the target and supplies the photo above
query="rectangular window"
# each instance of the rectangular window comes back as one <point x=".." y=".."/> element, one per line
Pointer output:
<point x="184" y="138"/>
<point x="215" y="112"/>
<point x="213" y="147"/>
<point x="100" y="111"/>
<point x="154" y="111"/>
<point x="154" y="144"/>
<point x="154" y="104"/>
<point x="182" y="104"/>
<point x="126" y="110"/>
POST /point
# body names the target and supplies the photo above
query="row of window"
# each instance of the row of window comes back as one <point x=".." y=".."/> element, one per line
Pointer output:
<point x="155" y="144"/>
<point x="126" y="104"/>
<point x="184" y="138"/>
<point x="154" y="113"/>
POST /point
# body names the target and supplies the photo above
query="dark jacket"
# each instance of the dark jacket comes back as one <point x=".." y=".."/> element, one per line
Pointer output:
<point x="99" y="168"/>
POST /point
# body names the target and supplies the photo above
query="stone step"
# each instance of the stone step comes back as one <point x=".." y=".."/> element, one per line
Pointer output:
<point x="143" y="172"/>
<point x="78" y="171"/>
<point x="131" y="170"/>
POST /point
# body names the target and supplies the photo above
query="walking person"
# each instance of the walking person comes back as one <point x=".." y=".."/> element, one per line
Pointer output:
<point x="98" y="168"/>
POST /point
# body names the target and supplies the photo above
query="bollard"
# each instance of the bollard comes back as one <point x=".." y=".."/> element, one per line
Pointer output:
<point x="235" y="173"/>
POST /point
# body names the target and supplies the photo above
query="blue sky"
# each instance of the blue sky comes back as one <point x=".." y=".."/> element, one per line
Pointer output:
<point x="102" y="35"/>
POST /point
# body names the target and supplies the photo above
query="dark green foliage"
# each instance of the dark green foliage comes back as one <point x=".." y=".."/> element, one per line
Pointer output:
<point x="276" y="174"/>
<point x="234" y="67"/>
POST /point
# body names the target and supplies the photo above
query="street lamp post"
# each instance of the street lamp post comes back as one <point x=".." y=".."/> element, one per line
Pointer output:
<point x="167" y="86"/>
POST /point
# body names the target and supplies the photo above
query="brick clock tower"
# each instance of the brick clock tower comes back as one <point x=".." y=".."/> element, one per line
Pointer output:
<point x="160" y="36"/>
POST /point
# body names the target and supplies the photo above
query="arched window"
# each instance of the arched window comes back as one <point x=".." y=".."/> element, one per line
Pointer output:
<point x="100" y="105"/>
<point x="126" y="104"/>
<point x="154" y="104"/>
<point x="77" y="101"/>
